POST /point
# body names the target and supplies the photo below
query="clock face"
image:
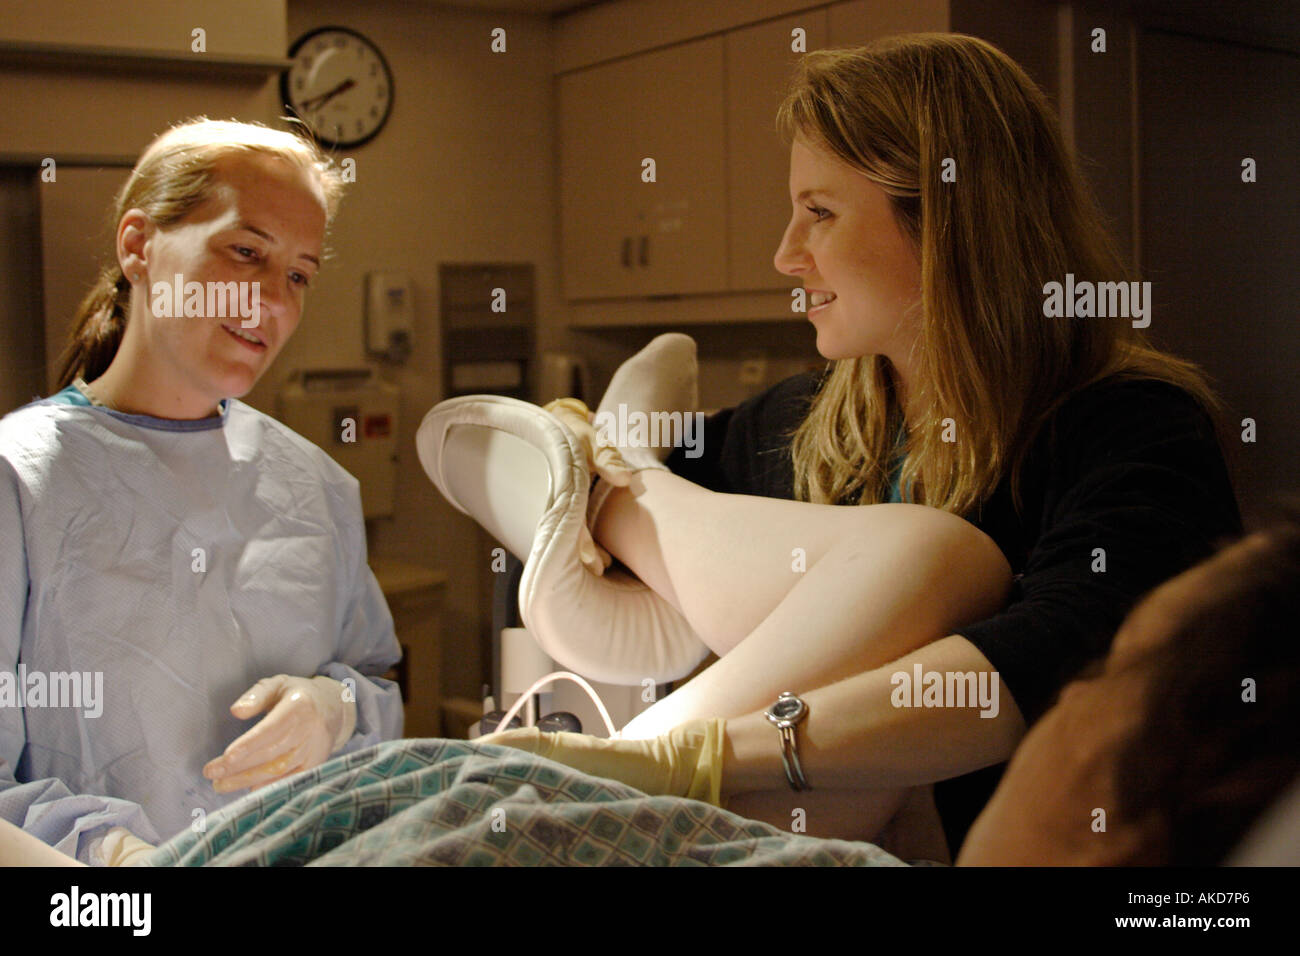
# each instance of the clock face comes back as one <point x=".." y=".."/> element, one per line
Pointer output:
<point x="340" y="85"/>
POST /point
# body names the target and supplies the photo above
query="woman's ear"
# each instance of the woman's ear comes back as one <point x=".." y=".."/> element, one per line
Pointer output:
<point x="134" y="231"/>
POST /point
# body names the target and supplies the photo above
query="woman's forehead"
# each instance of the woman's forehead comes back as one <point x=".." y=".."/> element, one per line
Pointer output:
<point x="261" y="173"/>
<point x="269" y="189"/>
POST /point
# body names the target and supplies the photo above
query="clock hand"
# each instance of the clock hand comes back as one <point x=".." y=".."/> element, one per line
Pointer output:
<point x="316" y="102"/>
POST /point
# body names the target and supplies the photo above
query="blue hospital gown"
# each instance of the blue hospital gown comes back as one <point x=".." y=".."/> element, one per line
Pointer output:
<point x="185" y="561"/>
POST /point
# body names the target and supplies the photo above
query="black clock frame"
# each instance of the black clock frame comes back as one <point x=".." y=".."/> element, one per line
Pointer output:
<point x="287" y="99"/>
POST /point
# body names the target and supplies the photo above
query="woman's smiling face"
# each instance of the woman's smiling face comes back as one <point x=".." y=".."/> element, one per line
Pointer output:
<point x="844" y="243"/>
<point x="264" y="222"/>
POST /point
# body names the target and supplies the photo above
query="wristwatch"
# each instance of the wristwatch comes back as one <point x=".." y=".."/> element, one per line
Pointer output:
<point x="784" y="715"/>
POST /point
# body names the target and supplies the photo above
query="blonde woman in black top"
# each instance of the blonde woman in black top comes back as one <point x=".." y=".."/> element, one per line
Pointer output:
<point x="934" y="206"/>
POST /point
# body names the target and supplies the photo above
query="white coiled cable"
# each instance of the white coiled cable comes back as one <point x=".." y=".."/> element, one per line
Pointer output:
<point x="527" y="695"/>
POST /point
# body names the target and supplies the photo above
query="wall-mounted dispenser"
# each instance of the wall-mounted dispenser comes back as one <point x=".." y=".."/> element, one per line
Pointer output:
<point x="352" y="416"/>
<point x="488" y="319"/>
<point x="390" y="315"/>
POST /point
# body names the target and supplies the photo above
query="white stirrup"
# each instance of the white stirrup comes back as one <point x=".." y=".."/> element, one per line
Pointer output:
<point x="521" y="474"/>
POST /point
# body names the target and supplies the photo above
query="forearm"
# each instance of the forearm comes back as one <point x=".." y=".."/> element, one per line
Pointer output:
<point x="855" y="737"/>
<point x="368" y="647"/>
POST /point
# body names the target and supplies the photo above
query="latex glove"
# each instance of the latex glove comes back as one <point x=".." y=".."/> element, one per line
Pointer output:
<point x="685" y="762"/>
<point x="603" y="459"/>
<point x="121" y="847"/>
<point x="308" y="719"/>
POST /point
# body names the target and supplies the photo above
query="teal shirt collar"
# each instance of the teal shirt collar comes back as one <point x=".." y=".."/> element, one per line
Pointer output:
<point x="72" y="396"/>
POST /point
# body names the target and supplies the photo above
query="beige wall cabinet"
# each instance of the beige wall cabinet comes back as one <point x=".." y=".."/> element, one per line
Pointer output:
<point x="624" y="237"/>
<point x="705" y="111"/>
<point x="759" y="66"/>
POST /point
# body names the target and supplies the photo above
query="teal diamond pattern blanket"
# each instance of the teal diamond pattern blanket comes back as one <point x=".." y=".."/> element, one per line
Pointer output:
<point x="457" y="803"/>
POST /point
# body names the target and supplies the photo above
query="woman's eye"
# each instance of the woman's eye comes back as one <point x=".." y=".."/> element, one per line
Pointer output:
<point x="246" y="251"/>
<point x="299" y="279"/>
<point x="817" y="211"/>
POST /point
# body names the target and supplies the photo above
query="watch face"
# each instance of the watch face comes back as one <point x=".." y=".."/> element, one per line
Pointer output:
<point x="340" y="85"/>
<point x="788" y="708"/>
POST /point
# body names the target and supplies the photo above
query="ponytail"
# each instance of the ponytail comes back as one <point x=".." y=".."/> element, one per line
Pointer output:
<point x="98" y="329"/>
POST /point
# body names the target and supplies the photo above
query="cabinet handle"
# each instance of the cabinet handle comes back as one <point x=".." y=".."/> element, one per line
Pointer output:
<point x="645" y="250"/>
<point x="627" y="252"/>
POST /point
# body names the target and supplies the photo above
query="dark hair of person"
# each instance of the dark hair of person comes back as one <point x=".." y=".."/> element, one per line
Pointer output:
<point x="1217" y="744"/>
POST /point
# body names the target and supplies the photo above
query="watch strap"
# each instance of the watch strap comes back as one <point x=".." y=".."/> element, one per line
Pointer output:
<point x="790" y="760"/>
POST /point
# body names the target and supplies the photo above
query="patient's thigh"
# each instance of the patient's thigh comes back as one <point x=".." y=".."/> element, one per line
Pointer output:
<point x="903" y="822"/>
<point x="19" y="848"/>
<point x="829" y="814"/>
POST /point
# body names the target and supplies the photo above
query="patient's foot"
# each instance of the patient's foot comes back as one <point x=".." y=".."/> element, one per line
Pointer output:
<point x="662" y="377"/>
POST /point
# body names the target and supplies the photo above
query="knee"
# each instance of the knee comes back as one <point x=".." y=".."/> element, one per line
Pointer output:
<point x="964" y="558"/>
<point x="978" y="550"/>
<point x="985" y="573"/>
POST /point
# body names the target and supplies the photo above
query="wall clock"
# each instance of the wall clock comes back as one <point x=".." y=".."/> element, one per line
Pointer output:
<point x="339" y="84"/>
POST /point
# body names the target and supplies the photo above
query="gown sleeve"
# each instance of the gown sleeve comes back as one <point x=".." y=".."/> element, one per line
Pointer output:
<point x="367" y="645"/>
<point x="45" y="808"/>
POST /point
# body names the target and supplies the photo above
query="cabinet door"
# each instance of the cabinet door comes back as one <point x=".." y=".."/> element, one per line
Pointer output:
<point x="760" y="62"/>
<point x="620" y="235"/>
<point x="598" y="178"/>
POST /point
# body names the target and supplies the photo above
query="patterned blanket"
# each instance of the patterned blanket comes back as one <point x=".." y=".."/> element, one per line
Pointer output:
<point x="457" y="803"/>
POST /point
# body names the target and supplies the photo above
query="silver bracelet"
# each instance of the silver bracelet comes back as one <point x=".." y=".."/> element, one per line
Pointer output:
<point x="785" y="714"/>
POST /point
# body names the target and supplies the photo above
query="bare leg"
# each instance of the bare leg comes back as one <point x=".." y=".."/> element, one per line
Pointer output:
<point x="903" y="822"/>
<point x="796" y="596"/>
<point x="880" y="581"/>
<point x="830" y="814"/>
<point x="18" y="848"/>
<point x="727" y="561"/>
<point x="724" y="561"/>
<point x="916" y="831"/>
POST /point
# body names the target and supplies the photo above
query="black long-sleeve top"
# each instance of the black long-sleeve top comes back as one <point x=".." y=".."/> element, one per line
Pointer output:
<point x="1130" y="466"/>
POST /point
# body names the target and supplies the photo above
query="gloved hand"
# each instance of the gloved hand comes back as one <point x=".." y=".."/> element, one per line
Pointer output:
<point x="309" y="719"/>
<point x="602" y="459"/>
<point x="685" y="762"/>
<point x="121" y="847"/>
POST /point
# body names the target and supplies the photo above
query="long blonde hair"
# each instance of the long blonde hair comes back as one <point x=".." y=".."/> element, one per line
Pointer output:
<point x="1017" y="216"/>
<point x="174" y="175"/>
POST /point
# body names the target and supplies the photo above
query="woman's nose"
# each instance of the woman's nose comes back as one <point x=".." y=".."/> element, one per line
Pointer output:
<point x="271" y="292"/>
<point x="791" y="256"/>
